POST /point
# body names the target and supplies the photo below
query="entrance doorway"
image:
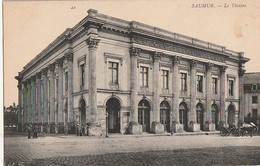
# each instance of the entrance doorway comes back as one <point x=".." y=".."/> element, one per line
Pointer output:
<point x="215" y="115"/>
<point x="113" y="110"/>
<point x="144" y="115"/>
<point x="183" y="115"/>
<point x="231" y="115"/>
<point x="165" y="115"/>
<point x="82" y="110"/>
<point x="199" y="113"/>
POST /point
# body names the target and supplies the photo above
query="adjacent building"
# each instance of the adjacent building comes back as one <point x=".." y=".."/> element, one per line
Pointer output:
<point x="142" y="78"/>
<point x="252" y="97"/>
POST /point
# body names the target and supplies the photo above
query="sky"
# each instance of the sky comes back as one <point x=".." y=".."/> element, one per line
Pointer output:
<point x="29" y="27"/>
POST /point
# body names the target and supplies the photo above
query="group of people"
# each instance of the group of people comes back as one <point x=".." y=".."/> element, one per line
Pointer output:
<point x="33" y="131"/>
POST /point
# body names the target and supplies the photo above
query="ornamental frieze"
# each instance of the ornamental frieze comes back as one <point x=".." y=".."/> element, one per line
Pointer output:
<point x="179" y="49"/>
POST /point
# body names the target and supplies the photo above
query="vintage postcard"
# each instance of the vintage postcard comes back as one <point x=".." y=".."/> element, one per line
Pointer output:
<point x="131" y="82"/>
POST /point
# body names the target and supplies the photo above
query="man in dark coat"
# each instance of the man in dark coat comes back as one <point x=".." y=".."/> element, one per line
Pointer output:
<point x="29" y="131"/>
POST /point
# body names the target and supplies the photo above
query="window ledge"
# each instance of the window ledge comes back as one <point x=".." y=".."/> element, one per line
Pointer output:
<point x="114" y="86"/>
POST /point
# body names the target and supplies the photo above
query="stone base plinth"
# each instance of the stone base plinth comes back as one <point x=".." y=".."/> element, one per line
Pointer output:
<point x="194" y="127"/>
<point x="135" y="128"/>
<point x="178" y="128"/>
<point x="157" y="128"/>
<point x="48" y="128"/>
<point x="209" y="126"/>
<point x="95" y="130"/>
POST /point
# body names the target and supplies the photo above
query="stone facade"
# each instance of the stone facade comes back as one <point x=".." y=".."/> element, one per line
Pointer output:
<point x="138" y="77"/>
<point x="251" y="82"/>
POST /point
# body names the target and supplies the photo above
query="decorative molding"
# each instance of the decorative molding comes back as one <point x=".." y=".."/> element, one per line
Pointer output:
<point x="134" y="51"/>
<point x="92" y="42"/>
<point x="113" y="56"/>
<point x="193" y="63"/>
<point x="209" y="66"/>
<point x="176" y="60"/>
<point x="51" y="67"/>
<point x="59" y="62"/>
<point x="178" y="48"/>
<point x="69" y="56"/>
<point x="241" y="72"/>
<point x="157" y="56"/>
<point x="223" y="69"/>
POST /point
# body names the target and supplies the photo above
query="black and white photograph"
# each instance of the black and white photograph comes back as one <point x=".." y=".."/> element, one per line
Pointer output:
<point x="131" y="83"/>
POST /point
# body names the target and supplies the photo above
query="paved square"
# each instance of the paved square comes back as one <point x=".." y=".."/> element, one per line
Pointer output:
<point x="133" y="150"/>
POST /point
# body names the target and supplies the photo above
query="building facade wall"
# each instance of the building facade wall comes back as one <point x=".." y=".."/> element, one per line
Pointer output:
<point x="147" y="87"/>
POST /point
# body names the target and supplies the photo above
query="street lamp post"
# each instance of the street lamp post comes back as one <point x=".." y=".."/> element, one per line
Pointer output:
<point x="107" y="125"/>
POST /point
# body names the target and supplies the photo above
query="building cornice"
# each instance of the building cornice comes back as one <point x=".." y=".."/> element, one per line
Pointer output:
<point x="158" y="37"/>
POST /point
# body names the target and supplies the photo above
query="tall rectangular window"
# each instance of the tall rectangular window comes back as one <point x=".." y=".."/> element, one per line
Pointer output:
<point x="254" y="100"/>
<point x="165" y="79"/>
<point x="183" y="81"/>
<point x="113" y="72"/>
<point x="231" y="87"/>
<point x="144" y="76"/>
<point x="199" y="83"/>
<point x="82" y="74"/>
<point x="214" y="85"/>
<point x="66" y="81"/>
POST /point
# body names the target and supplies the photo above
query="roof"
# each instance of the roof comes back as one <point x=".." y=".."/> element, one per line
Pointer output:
<point x="128" y="27"/>
<point x="251" y="78"/>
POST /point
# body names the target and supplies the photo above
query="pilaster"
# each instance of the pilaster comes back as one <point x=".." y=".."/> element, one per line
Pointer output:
<point x="177" y="127"/>
<point x="209" y="126"/>
<point x="92" y="46"/>
<point x="134" y="127"/>
<point x="33" y="99"/>
<point x="60" y="117"/>
<point x="156" y="126"/>
<point x="241" y="72"/>
<point x="222" y="95"/>
<point x="193" y="126"/>
<point x="52" y="91"/>
<point x="38" y="97"/>
<point x="69" y="57"/>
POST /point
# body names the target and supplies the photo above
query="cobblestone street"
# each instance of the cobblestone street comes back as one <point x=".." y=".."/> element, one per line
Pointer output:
<point x="133" y="150"/>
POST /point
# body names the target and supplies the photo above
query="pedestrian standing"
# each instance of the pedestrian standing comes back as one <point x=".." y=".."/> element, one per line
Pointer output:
<point x="77" y="130"/>
<point x="82" y="129"/>
<point x="29" y="131"/>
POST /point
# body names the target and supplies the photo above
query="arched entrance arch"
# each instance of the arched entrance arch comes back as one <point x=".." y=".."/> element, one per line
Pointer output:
<point x="231" y="115"/>
<point x="165" y="115"/>
<point x="144" y="114"/>
<point x="113" y="109"/>
<point x="199" y="115"/>
<point x="82" y="110"/>
<point x="183" y="115"/>
<point x="215" y="115"/>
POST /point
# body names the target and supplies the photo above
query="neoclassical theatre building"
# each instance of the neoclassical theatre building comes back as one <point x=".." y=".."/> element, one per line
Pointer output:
<point x="138" y="77"/>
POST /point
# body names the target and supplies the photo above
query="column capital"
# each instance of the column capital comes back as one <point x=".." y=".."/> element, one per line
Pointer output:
<point x="176" y="60"/>
<point x="59" y="61"/>
<point x="223" y="69"/>
<point x="209" y="66"/>
<point x="28" y="81"/>
<point x="44" y="71"/>
<point x="33" y="78"/>
<point x="19" y="86"/>
<point x="24" y="83"/>
<point x="134" y="51"/>
<point x="193" y="63"/>
<point x="157" y="56"/>
<point x="38" y="75"/>
<point x="241" y="72"/>
<point x="69" y="56"/>
<point x="51" y="67"/>
<point x="92" y="42"/>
